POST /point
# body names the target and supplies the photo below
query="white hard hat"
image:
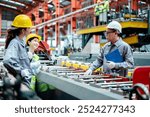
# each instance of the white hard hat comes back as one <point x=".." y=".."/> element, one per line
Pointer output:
<point x="115" y="25"/>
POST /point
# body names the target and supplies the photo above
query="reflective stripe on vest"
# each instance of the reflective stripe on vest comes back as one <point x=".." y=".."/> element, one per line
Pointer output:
<point x="32" y="83"/>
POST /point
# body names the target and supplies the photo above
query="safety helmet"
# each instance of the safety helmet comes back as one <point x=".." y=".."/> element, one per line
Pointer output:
<point x="22" y="21"/>
<point x="32" y="35"/>
<point x="115" y="25"/>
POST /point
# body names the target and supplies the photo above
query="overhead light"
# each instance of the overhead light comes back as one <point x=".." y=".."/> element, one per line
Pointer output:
<point x="48" y="25"/>
<point x="53" y="23"/>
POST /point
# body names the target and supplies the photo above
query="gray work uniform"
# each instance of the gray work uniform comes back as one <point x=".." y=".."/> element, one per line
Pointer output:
<point x="16" y="57"/>
<point x="121" y="67"/>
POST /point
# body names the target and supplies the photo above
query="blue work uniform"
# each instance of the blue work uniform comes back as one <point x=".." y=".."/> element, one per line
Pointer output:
<point x="16" y="57"/>
<point x="121" y="67"/>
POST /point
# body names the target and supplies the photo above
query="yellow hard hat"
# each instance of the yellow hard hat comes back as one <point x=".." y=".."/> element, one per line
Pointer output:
<point x="22" y="21"/>
<point x="32" y="35"/>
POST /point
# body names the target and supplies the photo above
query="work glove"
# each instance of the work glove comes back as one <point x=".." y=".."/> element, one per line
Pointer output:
<point x="25" y="73"/>
<point x="88" y="72"/>
<point x="111" y="64"/>
<point x="35" y="66"/>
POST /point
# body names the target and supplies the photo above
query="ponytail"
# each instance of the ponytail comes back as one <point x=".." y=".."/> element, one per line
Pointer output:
<point x="11" y="34"/>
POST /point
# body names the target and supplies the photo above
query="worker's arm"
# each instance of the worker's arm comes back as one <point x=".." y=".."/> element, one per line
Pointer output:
<point x="11" y="57"/>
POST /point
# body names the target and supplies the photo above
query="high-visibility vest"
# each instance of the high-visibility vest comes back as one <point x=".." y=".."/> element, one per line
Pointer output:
<point x="98" y="10"/>
<point x="33" y="78"/>
<point x="41" y="86"/>
<point x="32" y="83"/>
<point x="106" y="6"/>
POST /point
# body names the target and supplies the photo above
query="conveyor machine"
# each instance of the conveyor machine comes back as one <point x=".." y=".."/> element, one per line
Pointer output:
<point x="70" y="78"/>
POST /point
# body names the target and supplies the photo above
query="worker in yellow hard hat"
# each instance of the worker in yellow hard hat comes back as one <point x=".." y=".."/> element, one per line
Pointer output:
<point x="16" y="58"/>
<point x="41" y="88"/>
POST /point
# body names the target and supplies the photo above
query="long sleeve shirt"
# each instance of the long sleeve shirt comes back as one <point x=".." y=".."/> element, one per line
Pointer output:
<point x="16" y="56"/>
<point x="121" y="67"/>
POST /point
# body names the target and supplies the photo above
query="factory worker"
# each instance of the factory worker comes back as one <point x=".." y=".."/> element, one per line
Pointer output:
<point x="116" y="55"/>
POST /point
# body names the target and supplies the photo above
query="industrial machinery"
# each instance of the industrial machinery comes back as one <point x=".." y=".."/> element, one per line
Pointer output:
<point x="70" y="78"/>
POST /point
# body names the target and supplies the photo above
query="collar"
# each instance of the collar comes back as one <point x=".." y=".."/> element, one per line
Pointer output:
<point x="20" y="41"/>
<point x="117" y="43"/>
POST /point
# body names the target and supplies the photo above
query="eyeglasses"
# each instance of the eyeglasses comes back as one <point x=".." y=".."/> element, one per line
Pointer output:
<point x="108" y="32"/>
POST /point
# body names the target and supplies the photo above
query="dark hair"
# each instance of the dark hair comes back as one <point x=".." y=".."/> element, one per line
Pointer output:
<point x="11" y="34"/>
<point x="29" y="40"/>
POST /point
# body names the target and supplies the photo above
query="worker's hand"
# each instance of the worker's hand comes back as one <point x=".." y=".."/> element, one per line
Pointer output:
<point x="88" y="72"/>
<point x="36" y="71"/>
<point x="34" y="65"/>
<point x="25" y="73"/>
<point x="111" y="64"/>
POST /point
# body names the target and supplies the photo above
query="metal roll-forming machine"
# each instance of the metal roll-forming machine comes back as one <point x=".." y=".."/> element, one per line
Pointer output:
<point x="70" y="78"/>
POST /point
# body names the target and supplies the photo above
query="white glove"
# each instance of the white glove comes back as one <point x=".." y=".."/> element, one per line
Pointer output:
<point x="88" y="72"/>
<point x="35" y="64"/>
<point x="111" y="64"/>
<point x="25" y="73"/>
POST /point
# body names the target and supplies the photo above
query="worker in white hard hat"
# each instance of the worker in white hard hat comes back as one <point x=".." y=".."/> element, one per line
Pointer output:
<point x="116" y="55"/>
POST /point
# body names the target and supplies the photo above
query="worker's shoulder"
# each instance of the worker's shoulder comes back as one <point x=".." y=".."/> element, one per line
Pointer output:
<point x="107" y="44"/>
<point x="14" y="42"/>
<point x="124" y="43"/>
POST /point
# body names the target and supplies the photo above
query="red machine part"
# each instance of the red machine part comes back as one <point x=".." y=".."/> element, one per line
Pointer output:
<point x="142" y="75"/>
<point x="44" y="47"/>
